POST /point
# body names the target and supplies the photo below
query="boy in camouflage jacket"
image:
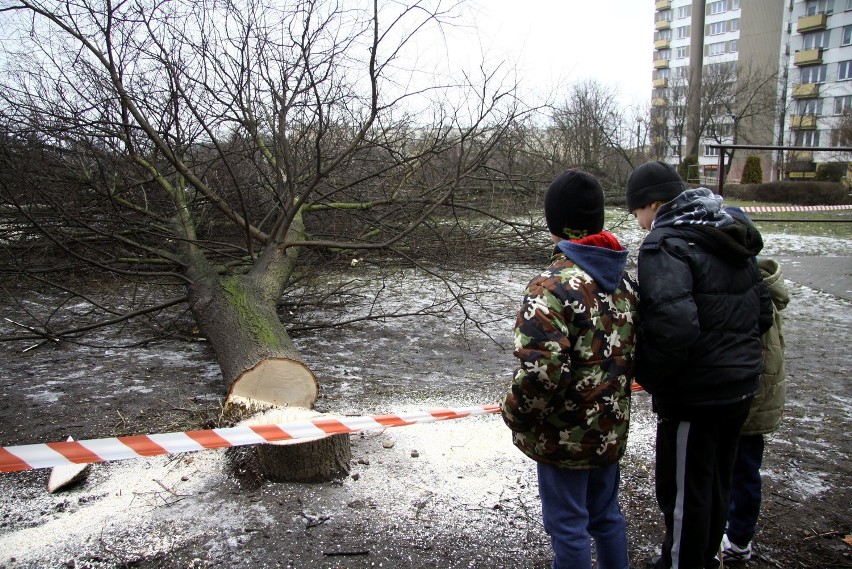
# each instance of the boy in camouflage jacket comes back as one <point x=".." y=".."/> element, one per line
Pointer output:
<point x="569" y="403"/>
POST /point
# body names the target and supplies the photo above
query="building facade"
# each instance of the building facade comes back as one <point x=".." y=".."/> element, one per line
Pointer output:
<point x="757" y="72"/>
<point x="818" y="93"/>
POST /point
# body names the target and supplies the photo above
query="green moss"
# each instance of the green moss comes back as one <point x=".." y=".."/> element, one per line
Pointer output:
<point x="252" y="319"/>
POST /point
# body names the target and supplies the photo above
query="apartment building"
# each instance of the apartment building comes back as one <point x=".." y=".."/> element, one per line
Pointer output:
<point x="759" y="72"/>
<point x="818" y="92"/>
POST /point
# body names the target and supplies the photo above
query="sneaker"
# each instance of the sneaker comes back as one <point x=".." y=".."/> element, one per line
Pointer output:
<point x="731" y="552"/>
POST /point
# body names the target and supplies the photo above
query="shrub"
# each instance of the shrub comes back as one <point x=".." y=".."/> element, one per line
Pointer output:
<point x="831" y="171"/>
<point x="752" y="172"/>
<point x="789" y="192"/>
<point x="683" y="168"/>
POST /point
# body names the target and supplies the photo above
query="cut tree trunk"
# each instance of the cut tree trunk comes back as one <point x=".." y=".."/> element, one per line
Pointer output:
<point x="306" y="460"/>
<point x="264" y="371"/>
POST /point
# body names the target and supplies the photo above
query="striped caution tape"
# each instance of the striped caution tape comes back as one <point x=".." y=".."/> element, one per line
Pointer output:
<point x="26" y="457"/>
<point x="779" y="208"/>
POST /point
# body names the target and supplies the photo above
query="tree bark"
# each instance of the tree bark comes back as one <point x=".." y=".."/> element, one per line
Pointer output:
<point x="264" y="371"/>
<point x="316" y="461"/>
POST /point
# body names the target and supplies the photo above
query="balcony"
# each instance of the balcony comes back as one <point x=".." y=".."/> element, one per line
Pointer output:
<point x="659" y="102"/>
<point x="662" y="25"/>
<point x="662" y="44"/>
<point x="800" y="156"/>
<point x="803" y="122"/>
<point x="661" y="83"/>
<point x="808" y="57"/>
<point x="661" y="5"/>
<point x="811" y="23"/>
<point x="661" y="63"/>
<point x="806" y="90"/>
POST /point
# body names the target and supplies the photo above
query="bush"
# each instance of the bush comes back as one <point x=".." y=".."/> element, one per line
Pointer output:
<point x="752" y="172"/>
<point x="794" y="193"/>
<point x="831" y="171"/>
<point x="683" y="168"/>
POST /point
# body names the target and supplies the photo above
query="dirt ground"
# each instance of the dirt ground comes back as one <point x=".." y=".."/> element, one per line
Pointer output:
<point x="465" y="498"/>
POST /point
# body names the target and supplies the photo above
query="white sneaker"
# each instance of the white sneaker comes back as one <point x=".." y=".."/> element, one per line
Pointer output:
<point x="731" y="552"/>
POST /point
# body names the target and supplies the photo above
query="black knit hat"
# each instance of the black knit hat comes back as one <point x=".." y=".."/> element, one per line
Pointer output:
<point x="653" y="181"/>
<point x="574" y="205"/>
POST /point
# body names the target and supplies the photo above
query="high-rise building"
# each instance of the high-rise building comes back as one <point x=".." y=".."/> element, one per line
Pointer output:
<point x="758" y="72"/>
<point x="818" y="95"/>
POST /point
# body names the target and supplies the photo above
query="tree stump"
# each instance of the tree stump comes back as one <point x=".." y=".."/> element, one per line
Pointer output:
<point x="317" y="459"/>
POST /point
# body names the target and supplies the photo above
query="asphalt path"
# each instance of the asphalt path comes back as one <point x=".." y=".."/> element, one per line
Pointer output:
<point x="832" y="275"/>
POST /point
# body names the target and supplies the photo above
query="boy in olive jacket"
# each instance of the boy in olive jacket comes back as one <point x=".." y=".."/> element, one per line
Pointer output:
<point x="763" y="418"/>
<point x="569" y="404"/>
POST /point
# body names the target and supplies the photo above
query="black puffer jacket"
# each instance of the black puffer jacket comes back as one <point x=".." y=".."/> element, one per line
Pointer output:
<point x="703" y="307"/>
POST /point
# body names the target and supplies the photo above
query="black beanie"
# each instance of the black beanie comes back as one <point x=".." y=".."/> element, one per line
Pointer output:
<point x="574" y="205"/>
<point x="653" y="181"/>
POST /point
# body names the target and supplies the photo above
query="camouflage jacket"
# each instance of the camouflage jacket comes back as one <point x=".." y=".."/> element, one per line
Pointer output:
<point x="569" y="402"/>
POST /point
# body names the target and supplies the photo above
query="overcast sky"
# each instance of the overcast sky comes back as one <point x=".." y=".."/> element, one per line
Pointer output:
<point x="569" y="40"/>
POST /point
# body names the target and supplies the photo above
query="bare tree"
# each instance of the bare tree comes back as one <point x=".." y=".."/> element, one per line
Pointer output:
<point x="590" y="130"/>
<point x="211" y="146"/>
<point x="735" y="101"/>
<point x="738" y="105"/>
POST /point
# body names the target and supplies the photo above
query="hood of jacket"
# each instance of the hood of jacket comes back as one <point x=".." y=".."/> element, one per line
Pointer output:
<point x="605" y="266"/>
<point x="699" y="213"/>
<point x="770" y="270"/>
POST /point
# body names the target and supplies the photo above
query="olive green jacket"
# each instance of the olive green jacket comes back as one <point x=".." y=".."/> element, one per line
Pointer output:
<point x="768" y="405"/>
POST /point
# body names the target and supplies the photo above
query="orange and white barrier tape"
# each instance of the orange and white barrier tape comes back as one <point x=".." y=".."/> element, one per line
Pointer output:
<point x="26" y="457"/>
<point x="777" y="208"/>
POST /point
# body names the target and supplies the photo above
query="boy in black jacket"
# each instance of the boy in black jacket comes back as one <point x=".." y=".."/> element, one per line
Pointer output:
<point x="703" y="307"/>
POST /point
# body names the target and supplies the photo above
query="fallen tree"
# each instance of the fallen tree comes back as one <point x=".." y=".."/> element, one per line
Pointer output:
<point x="209" y="147"/>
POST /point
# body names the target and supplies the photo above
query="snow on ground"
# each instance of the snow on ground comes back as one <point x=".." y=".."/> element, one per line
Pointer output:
<point x="153" y="505"/>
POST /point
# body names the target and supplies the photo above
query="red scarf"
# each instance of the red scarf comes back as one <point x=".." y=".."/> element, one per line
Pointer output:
<point x="603" y="239"/>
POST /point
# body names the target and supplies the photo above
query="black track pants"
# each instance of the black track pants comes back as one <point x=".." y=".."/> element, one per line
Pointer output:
<point x="694" y="466"/>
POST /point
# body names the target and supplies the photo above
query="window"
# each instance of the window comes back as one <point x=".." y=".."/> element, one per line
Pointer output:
<point x="686" y="12"/>
<point x="663" y="54"/>
<point x="718" y="7"/>
<point x="819" y="7"/>
<point x="809" y="107"/>
<point x="710" y="150"/>
<point x="815" y="40"/>
<point x="725" y="68"/>
<point x="815" y="74"/>
<point x="846" y="38"/>
<point x="682" y="52"/>
<point x="683" y="32"/>
<point x="733" y="46"/>
<point x="716" y="48"/>
<point x="735" y="5"/>
<point x="844" y="70"/>
<point x="681" y="72"/>
<point x="842" y="104"/>
<point x="663" y="35"/>
<point x="807" y="138"/>
<point x="720" y="130"/>
<point x="841" y="137"/>
<point x="734" y="25"/>
<point x="717" y="28"/>
<point x="664" y="15"/>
